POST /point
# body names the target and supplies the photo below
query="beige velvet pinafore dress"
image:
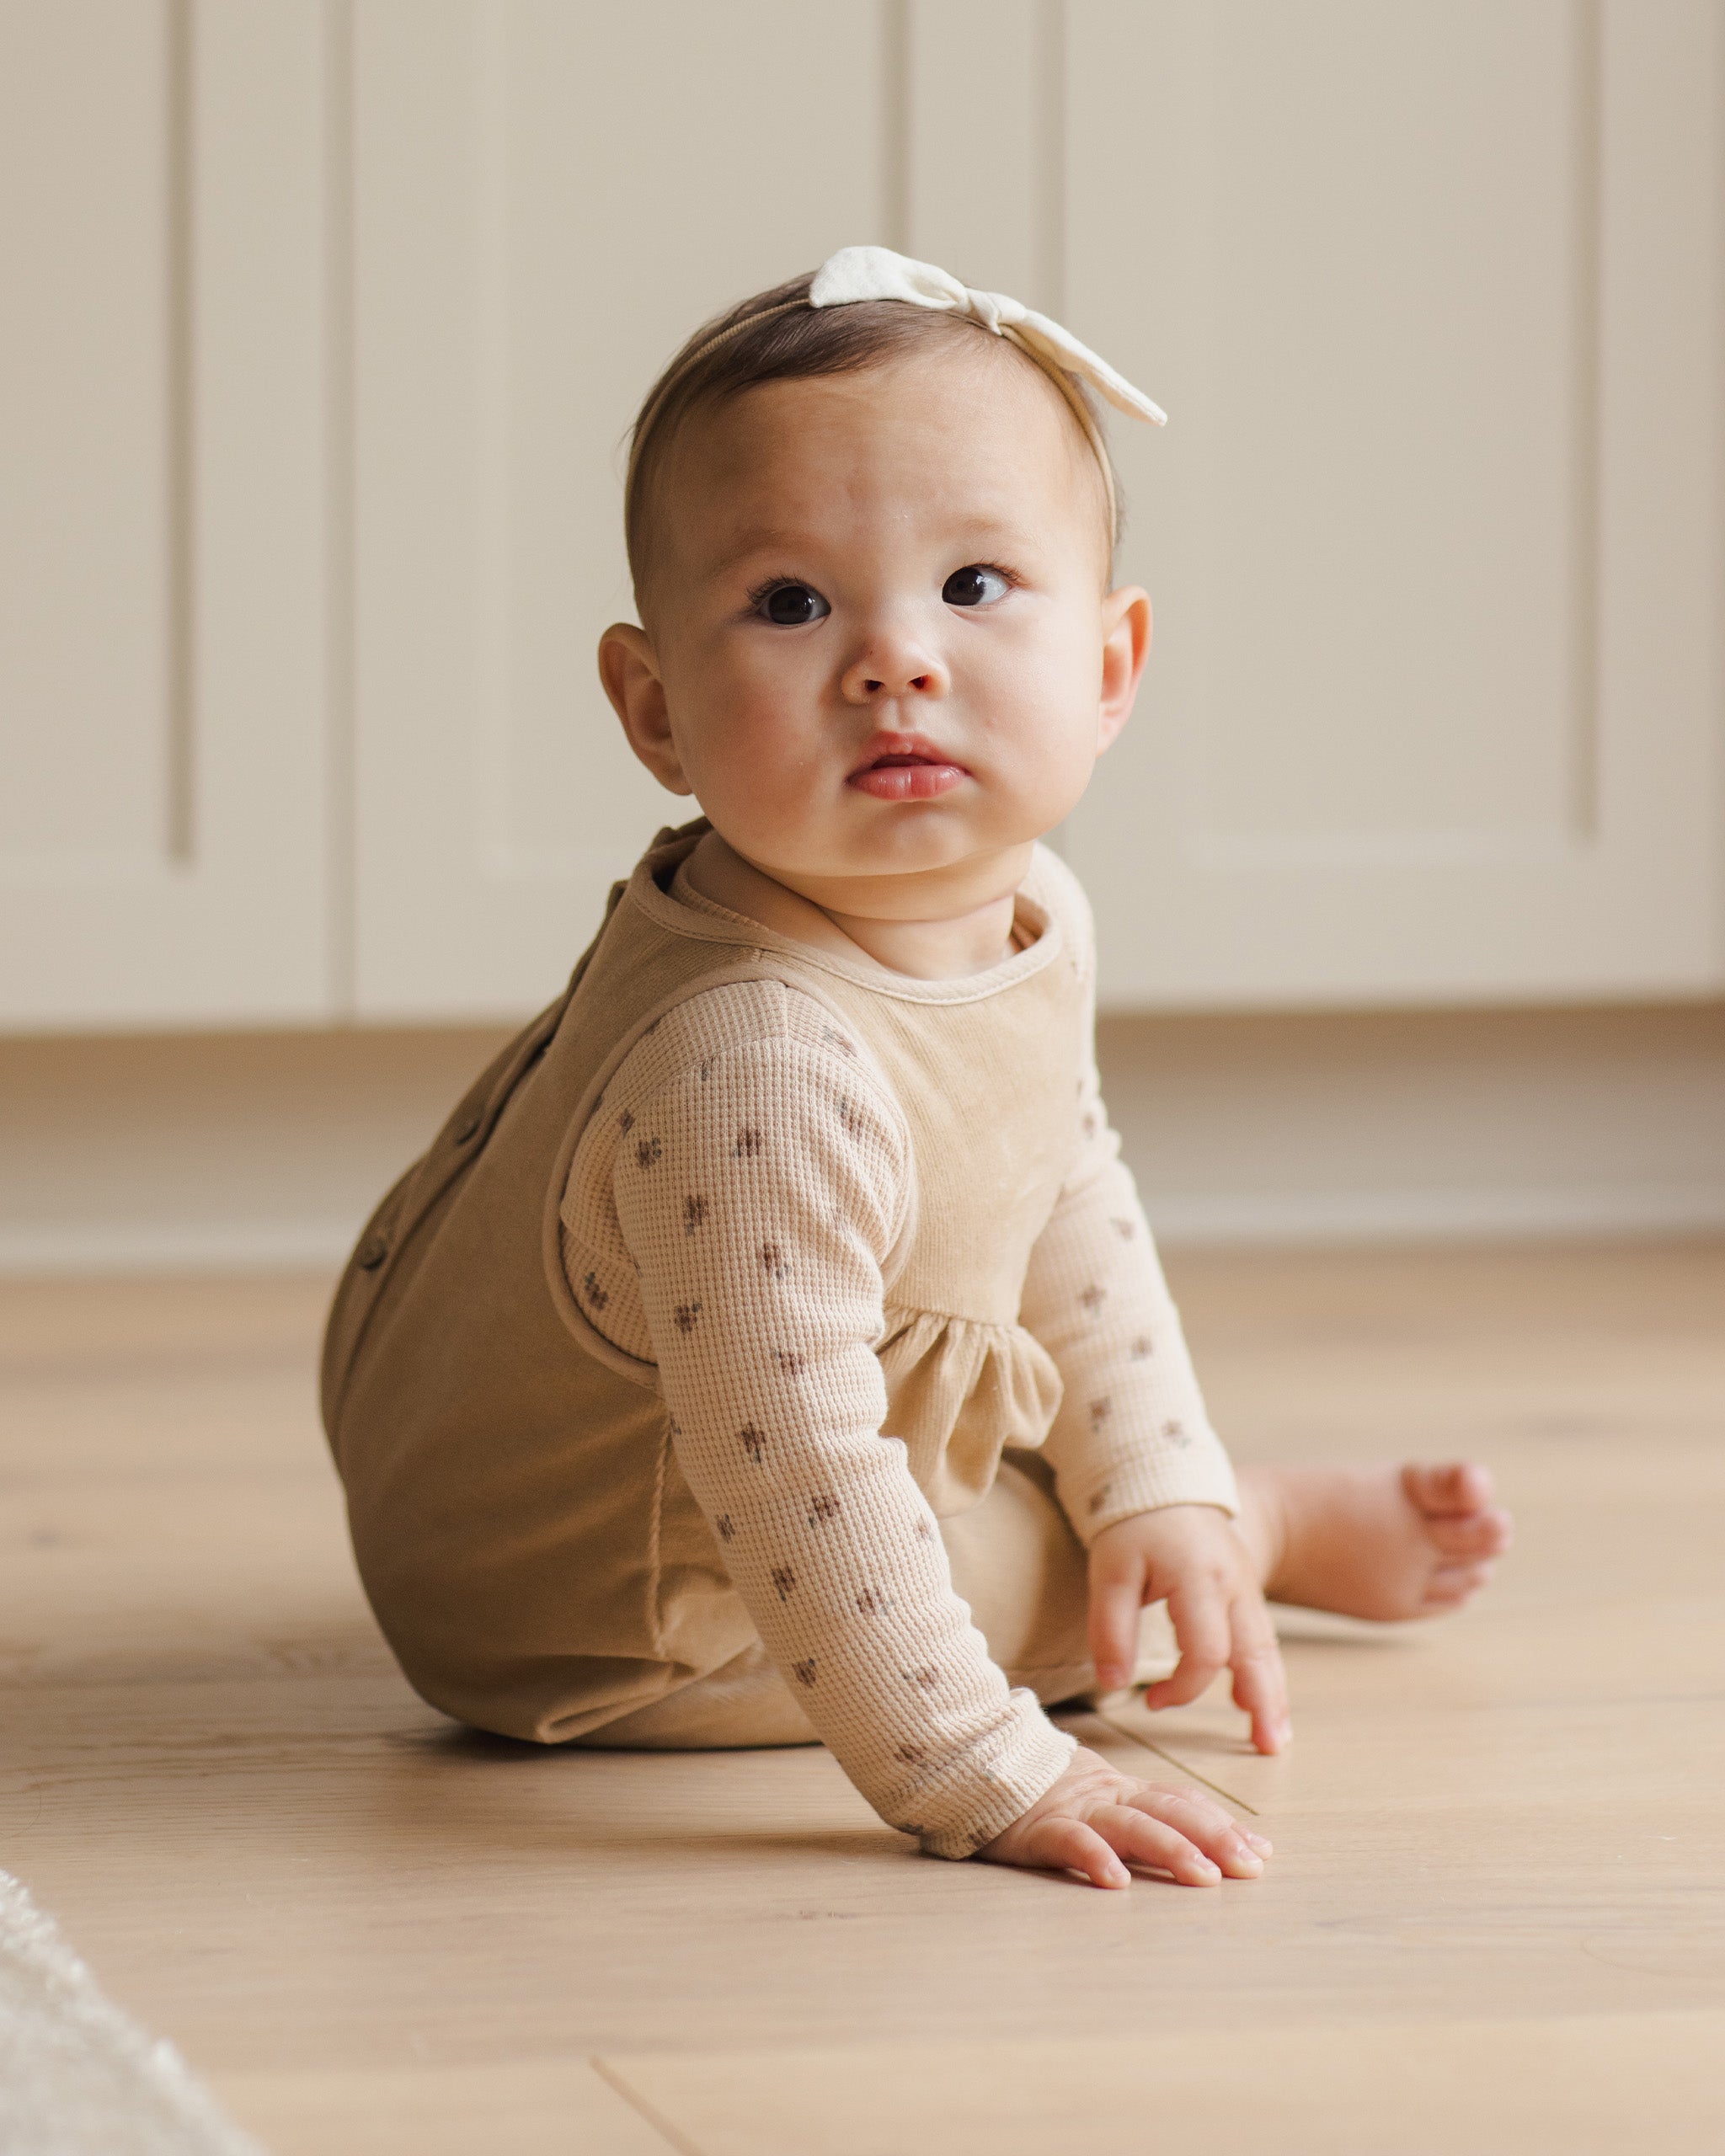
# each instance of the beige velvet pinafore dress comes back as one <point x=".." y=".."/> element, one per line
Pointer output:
<point x="522" y="1531"/>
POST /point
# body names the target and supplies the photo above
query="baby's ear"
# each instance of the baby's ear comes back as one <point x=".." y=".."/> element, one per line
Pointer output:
<point x="628" y="669"/>
<point x="1126" y="627"/>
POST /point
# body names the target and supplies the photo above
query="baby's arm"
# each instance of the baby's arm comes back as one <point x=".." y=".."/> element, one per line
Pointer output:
<point x="1132" y="1434"/>
<point x="1141" y="1473"/>
<point x="758" y="1192"/>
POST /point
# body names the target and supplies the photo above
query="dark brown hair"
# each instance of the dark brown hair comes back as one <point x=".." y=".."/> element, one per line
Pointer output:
<point x="777" y="336"/>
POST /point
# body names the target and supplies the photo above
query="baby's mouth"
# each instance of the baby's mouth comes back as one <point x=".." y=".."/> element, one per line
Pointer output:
<point x="906" y="768"/>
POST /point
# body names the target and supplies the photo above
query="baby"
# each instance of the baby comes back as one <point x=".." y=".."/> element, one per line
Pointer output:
<point x="771" y="1346"/>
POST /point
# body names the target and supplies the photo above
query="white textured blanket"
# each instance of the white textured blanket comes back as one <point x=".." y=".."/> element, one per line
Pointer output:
<point x="78" y="2078"/>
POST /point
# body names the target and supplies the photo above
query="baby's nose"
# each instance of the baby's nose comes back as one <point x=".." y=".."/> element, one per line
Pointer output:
<point x="885" y="671"/>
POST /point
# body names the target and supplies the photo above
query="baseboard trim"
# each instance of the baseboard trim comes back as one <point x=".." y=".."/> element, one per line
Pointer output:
<point x="55" y="1253"/>
<point x="1437" y="1215"/>
<point x="1186" y="1218"/>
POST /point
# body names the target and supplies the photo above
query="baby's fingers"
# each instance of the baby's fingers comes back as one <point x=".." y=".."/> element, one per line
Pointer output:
<point x="1211" y="1831"/>
<point x="1115" y="1607"/>
<point x="1060" y="1842"/>
<point x="1160" y="1845"/>
<point x="1201" y="1621"/>
<point x="1260" y="1683"/>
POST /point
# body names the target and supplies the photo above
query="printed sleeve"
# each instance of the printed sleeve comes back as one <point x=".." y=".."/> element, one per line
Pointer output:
<point x="1132" y="1434"/>
<point x="758" y="1195"/>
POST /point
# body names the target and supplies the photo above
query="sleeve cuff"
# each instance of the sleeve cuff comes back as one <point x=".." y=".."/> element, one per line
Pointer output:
<point x="957" y="1818"/>
<point x="1202" y="1477"/>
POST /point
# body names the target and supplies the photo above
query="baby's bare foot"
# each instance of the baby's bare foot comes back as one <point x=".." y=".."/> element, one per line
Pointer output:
<point x="1378" y="1542"/>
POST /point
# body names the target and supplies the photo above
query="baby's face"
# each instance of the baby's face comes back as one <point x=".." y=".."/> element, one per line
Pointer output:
<point x="880" y="621"/>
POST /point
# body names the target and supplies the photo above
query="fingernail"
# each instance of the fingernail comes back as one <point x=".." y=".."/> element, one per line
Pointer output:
<point x="1252" y="1858"/>
<point x="1119" y="1877"/>
<point x="1209" y="1871"/>
<point x="1263" y="1847"/>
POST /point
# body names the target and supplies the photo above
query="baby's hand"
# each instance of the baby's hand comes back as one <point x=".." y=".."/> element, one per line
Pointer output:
<point x="1192" y="1555"/>
<point x="1094" y="1816"/>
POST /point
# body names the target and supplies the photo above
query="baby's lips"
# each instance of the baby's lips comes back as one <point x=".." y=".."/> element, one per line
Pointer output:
<point x="888" y="745"/>
<point x="906" y="781"/>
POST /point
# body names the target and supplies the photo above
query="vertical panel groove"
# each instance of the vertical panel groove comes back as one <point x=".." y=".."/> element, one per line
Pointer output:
<point x="493" y="32"/>
<point x="341" y="866"/>
<point x="1588" y="150"/>
<point x="179" y="834"/>
<point x="1048" y="240"/>
<point x="896" y="178"/>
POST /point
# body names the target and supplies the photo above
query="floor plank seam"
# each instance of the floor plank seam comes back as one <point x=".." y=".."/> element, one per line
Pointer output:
<point x="1181" y="1766"/>
<point x="661" y="2125"/>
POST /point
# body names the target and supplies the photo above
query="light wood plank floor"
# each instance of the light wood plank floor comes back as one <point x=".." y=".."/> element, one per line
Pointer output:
<point x="1495" y="1919"/>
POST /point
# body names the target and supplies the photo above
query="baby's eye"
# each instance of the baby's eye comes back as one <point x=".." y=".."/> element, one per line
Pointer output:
<point x="790" y="605"/>
<point x="974" y="586"/>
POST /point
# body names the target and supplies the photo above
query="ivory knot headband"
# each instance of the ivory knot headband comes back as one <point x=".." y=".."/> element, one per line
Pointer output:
<point x="855" y="274"/>
<point x="876" y="273"/>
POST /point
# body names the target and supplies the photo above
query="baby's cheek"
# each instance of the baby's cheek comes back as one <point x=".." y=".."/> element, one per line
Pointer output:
<point x="1052" y="767"/>
<point x="758" y="778"/>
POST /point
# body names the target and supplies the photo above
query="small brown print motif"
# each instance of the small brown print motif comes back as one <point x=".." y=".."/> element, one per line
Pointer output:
<point x="1125" y="1230"/>
<point x="753" y="1442"/>
<point x="1093" y="1297"/>
<point x="1176" y="1433"/>
<point x="685" y="1315"/>
<point x="695" y="1212"/>
<point x="913" y="1755"/>
<point x="773" y="1258"/>
<point x="803" y="1672"/>
<point x="872" y="1603"/>
<point x="928" y="1679"/>
<point x="749" y="1144"/>
<point x="649" y="1153"/>
<point x="924" y="1530"/>
<point x="1143" y="1347"/>
<point x="849" y="1117"/>
<point x="1100" y="1411"/>
<point x="1089" y="1121"/>
<point x="821" y="1510"/>
<point x="626" y="1122"/>
<point x="838" y="1040"/>
<point x="784" y="1580"/>
<point x="792" y="1363"/>
<point x="673" y="1425"/>
<point x="727" y="1527"/>
<point x="1099" y="1498"/>
<point x="598" y="1296"/>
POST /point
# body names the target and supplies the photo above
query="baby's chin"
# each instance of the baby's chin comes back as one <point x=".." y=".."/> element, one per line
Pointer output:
<point x="904" y="882"/>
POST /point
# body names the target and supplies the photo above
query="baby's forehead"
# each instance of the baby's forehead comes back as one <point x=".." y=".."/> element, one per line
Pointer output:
<point x="969" y="433"/>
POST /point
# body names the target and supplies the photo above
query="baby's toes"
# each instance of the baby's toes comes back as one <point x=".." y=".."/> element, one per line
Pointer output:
<point x="1475" y="1534"/>
<point x="1451" y="1585"/>
<point x="1450" y="1491"/>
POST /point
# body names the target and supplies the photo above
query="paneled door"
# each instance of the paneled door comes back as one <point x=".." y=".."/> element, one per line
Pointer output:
<point x="162" y="720"/>
<point x="1431" y="294"/>
<point x="548" y="194"/>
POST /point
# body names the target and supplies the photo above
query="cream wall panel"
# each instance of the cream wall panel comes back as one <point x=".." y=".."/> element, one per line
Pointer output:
<point x="1431" y="294"/>
<point x="163" y="819"/>
<point x="548" y="197"/>
<point x="980" y="180"/>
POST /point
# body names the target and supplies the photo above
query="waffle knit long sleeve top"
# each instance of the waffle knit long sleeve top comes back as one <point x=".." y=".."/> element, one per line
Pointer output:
<point x="731" y="1217"/>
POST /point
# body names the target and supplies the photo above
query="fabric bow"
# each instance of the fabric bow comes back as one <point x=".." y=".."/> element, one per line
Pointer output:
<point x="876" y="273"/>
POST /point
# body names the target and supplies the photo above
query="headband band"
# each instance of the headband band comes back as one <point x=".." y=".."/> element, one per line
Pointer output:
<point x="858" y="274"/>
